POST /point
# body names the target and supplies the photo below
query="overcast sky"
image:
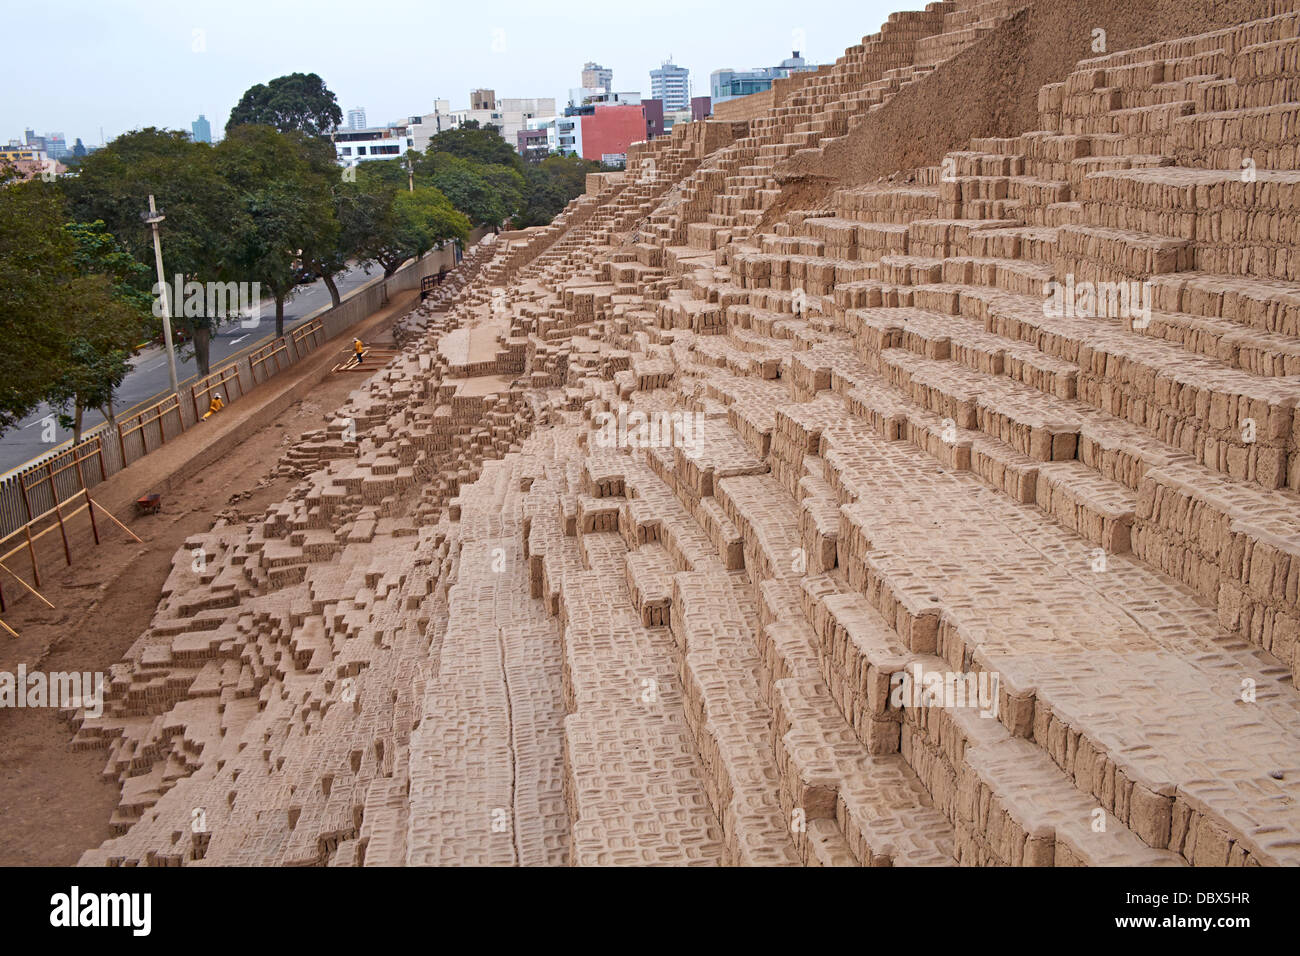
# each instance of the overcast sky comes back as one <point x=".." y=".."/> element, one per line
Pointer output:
<point x="76" y="66"/>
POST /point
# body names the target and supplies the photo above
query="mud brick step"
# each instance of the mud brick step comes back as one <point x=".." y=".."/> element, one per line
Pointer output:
<point x="1010" y="275"/>
<point x="1194" y="403"/>
<point x="720" y="453"/>
<point x="878" y="805"/>
<point x="726" y="539"/>
<point x="1097" y="509"/>
<point x="1222" y="140"/>
<point x="860" y="656"/>
<point x="1009" y="804"/>
<point x="647" y="810"/>
<point x="728" y="716"/>
<point x="1035" y="192"/>
<point x="1042" y="428"/>
<point x="1233" y="548"/>
<point x="649" y="583"/>
<point x="818" y="524"/>
<point x="1091" y="252"/>
<point x="1055" y="694"/>
<point x="760" y="510"/>
<point x="656" y="514"/>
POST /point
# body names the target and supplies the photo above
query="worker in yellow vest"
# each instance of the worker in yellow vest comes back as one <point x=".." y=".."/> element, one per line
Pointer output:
<point x="214" y="406"/>
<point x="359" y="348"/>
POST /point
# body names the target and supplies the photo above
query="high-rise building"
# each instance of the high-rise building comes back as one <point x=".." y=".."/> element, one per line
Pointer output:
<point x="727" y="84"/>
<point x="672" y="85"/>
<point x="56" y="146"/>
<point x="357" y="118"/>
<point x="595" y="76"/>
<point x="201" y="130"/>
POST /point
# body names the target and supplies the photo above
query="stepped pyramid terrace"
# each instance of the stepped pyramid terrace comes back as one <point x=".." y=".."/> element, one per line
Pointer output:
<point x="755" y="513"/>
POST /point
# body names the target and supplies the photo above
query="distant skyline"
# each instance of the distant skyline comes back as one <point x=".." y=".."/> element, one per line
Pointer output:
<point x="127" y="64"/>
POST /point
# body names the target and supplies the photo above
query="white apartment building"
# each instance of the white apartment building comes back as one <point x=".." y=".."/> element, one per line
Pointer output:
<point x="352" y="146"/>
<point x="563" y="133"/>
<point x="428" y="125"/>
<point x="671" y="84"/>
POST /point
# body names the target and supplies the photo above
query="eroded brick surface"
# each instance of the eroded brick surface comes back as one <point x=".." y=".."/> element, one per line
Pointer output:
<point x="623" y="557"/>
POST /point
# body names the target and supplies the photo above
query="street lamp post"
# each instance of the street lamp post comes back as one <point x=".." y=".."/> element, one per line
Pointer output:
<point x="153" y="217"/>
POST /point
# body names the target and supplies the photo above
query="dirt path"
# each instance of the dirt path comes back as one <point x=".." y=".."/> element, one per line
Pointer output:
<point x="54" y="801"/>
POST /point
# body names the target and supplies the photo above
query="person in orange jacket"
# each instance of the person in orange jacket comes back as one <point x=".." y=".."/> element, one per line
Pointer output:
<point x="359" y="348"/>
<point x="214" y="406"/>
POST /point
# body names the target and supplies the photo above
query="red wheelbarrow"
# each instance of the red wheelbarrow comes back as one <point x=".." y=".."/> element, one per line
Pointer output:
<point x="148" y="505"/>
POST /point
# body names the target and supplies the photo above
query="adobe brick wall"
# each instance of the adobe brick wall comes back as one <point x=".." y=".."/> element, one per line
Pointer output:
<point x="991" y="89"/>
<point x="744" y="107"/>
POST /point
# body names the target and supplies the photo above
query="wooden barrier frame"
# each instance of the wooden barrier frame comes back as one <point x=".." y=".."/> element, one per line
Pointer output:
<point x="210" y="383"/>
<point x="308" y="330"/>
<point x="431" y="282"/>
<point x="154" y="413"/>
<point x="352" y="363"/>
<point x="261" y="357"/>
<point x="48" y="472"/>
<point x="30" y="543"/>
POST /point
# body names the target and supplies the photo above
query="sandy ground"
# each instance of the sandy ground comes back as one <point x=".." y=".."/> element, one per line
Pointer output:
<point x="54" y="802"/>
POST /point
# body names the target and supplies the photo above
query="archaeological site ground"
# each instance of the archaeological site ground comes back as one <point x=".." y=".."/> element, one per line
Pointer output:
<point x="899" y="469"/>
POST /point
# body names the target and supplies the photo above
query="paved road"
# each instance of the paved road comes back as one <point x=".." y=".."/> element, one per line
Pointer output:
<point x="29" y="438"/>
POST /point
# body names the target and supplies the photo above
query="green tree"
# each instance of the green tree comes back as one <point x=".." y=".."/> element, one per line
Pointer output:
<point x="113" y="185"/>
<point x="96" y="251"/>
<point x="551" y="184"/>
<point x="324" y="251"/>
<point x="73" y="308"/>
<point x="298" y="101"/>
<point x="412" y="223"/>
<point x="36" y="264"/>
<point x="100" y="329"/>
<point x="469" y="186"/>
<point x="284" y="209"/>
<point x="510" y="188"/>
<point x="109" y="317"/>
<point x="481" y="145"/>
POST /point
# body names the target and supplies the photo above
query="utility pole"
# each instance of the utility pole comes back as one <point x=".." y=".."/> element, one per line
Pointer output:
<point x="153" y="217"/>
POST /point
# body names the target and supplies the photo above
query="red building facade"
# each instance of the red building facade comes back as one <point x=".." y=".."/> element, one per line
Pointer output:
<point x="610" y="130"/>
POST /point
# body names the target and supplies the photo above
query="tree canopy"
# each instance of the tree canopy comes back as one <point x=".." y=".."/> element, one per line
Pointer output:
<point x="478" y="144"/>
<point x="383" y="221"/>
<point x="72" y="312"/>
<point x="550" y="185"/>
<point x="284" y="207"/>
<point x="269" y="204"/>
<point x="298" y="101"/>
<point x="113" y="185"/>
